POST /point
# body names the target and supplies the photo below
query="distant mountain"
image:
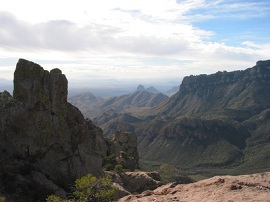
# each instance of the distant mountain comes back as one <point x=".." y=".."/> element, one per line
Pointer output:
<point x="136" y="99"/>
<point x="172" y="91"/>
<point x="117" y="110"/>
<point x="140" y="88"/>
<point x="92" y="106"/>
<point x="150" y="89"/>
<point x="85" y="101"/>
<point x="214" y="124"/>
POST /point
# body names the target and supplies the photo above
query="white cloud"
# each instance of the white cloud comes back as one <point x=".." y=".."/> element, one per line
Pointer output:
<point x="137" y="37"/>
<point x="111" y="37"/>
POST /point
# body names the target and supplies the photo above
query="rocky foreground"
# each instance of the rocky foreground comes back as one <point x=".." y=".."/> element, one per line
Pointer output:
<point x="255" y="187"/>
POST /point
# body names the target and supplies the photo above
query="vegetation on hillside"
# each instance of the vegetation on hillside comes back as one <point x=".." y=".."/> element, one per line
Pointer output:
<point x="89" y="189"/>
<point x="169" y="173"/>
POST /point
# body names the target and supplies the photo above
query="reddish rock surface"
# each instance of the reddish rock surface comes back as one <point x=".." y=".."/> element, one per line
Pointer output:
<point x="255" y="187"/>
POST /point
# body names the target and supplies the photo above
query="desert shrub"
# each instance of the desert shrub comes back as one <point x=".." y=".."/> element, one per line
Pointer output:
<point x="89" y="189"/>
<point x="2" y="199"/>
<point x="169" y="173"/>
<point x="118" y="168"/>
<point x="109" y="160"/>
<point x="108" y="167"/>
<point x="53" y="198"/>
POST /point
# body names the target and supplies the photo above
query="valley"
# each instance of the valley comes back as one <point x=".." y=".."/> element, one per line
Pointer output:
<point x="214" y="124"/>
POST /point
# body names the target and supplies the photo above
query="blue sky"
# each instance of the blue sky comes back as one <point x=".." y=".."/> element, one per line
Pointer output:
<point x="236" y="21"/>
<point x="129" y="39"/>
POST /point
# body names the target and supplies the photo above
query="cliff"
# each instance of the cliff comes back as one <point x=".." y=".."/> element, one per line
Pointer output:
<point x="224" y="93"/>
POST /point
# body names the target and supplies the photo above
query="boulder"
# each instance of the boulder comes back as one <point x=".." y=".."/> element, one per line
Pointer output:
<point x="140" y="181"/>
<point x="134" y="182"/>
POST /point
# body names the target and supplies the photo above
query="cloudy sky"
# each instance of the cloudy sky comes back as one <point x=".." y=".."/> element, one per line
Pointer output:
<point x="134" y="38"/>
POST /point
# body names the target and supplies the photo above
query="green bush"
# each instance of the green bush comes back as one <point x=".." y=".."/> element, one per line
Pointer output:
<point x="89" y="189"/>
<point x="109" y="159"/>
<point x="53" y="198"/>
<point x="108" y="167"/>
<point x="169" y="173"/>
<point x="118" y="168"/>
<point x="2" y="199"/>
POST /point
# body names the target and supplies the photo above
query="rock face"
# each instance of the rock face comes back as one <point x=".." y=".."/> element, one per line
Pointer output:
<point x="134" y="182"/>
<point x="220" y="188"/>
<point x="124" y="146"/>
<point x="246" y="90"/>
<point x="41" y="132"/>
<point x="38" y="89"/>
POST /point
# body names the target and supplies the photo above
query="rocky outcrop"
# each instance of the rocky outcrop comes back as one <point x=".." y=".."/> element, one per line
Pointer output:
<point x="41" y="132"/>
<point x="123" y="146"/>
<point x="245" y="188"/>
<point x="134" y="182"/>
<point x="260" y="71"/>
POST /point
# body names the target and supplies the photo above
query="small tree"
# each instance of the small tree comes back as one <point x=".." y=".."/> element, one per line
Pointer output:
<point x="118" y="168"/>
<point x="89" y="189"/>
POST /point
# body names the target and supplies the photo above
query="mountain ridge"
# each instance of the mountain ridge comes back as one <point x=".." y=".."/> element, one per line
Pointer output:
<point x="219" y="121"/>
<point x="204" y="90"/>
<point x="117" y="104"/>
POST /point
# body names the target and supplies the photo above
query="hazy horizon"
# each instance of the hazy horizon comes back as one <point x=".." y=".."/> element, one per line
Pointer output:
<point x="108" y="87"/>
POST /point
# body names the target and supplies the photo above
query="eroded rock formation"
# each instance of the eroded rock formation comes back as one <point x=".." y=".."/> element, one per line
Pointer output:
<point x="134" y="182"/>
<point x="41" y="134"/>
<point x="123" y="146"/>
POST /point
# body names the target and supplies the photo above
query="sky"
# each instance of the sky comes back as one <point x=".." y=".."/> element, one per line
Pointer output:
<point x="134" y="39"/>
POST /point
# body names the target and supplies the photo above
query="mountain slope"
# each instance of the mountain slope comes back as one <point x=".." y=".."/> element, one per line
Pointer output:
<point x="215" y="124"/>
<point x="136" y="99"/>
<point x="92" y="106"/>
<point x="225" y="93"/>
<point x="86" y="102"/>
